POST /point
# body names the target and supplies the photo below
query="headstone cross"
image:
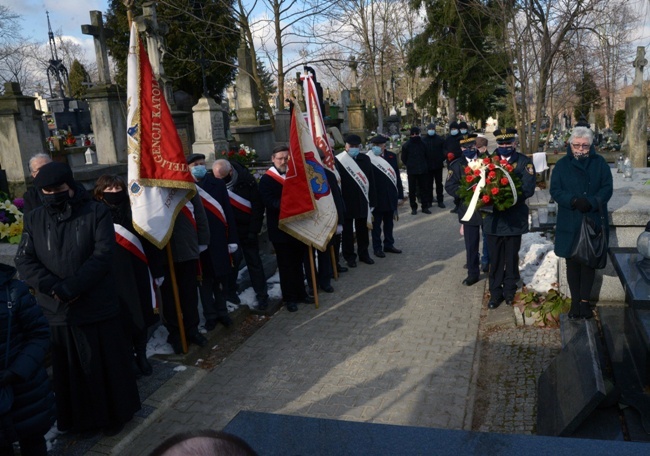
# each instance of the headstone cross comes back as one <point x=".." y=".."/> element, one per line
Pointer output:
<point x="639" y="63"/>
<point x="100" y="34"/>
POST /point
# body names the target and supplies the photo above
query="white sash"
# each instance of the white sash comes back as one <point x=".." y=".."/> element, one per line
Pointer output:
<point x="382" y="165"/>
<point x="350" y="165"/>
<point x="273" y="173"/>
<point x="212" y="205"/>
<point x="131" y="243"/>
<point x="240" y="202"/>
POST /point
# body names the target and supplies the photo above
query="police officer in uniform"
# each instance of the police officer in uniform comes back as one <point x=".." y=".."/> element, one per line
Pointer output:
<point x="504" y="228"/>
<point x="471" y="228"/>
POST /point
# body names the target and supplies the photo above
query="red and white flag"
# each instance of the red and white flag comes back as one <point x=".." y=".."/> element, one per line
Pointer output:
<point x="307" y="210"/>
<point x="317" y="124"/>
<point x="160" y="182"/>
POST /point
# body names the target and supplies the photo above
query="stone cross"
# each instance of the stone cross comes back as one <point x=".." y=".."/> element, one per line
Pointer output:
<point x="99" y="34"/>
<point x="154" y="31"/>
<point x="352" y="63"/>
<point x="639" y="63"/>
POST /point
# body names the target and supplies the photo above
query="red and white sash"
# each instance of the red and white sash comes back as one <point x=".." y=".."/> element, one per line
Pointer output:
<point x="275" y="174"/>
<point x="188" y="211"/>
<point x="212" y="205"/>
<point x="382" y="165"/>
<point x="132" y="244"/>
<point x="239" y="202"/>
<point x="350" y="165"/>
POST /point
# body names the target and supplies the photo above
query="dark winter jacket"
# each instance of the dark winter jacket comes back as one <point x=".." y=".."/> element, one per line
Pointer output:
<point x="387" y="193"/>
<point x="356" y="204"/>
<point x="220" y="235"/>
<point x="590" y="178"/>
<point x="435" y="151"/>
<point x="271" y="193"/>
<point x="33" y="410"/>
<point x="32" y="200"/>
<point x="414" y="156"/>
<point x="456" y="178"/>
<point x="452" y="145"/>
<point x="514" y="220"/>
<point x="188" y="234"/>
<point x="71" y="252"/>
<point x="248" y="224"/>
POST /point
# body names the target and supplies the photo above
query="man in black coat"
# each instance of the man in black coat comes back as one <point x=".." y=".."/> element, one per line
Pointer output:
<point x="248" y="208"/>
<point x="504" y="228"/>
<point x="435" y="163"/>
<point x="389" y="191"/>
<point x="358" y="191"/>
<point x="414" y="156"/>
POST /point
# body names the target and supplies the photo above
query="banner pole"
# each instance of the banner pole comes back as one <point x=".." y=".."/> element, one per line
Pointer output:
<point x="313" y="275"/>
<point x="333" y="258"/>
<point x="177" y="301"/>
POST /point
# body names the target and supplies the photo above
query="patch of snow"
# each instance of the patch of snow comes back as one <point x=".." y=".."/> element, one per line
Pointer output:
<point x="538" y="264"/>
<point x="180" y="368"/>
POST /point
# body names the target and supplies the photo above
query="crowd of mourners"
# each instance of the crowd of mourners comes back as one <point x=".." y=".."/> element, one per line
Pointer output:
<point x="89" y="282"/>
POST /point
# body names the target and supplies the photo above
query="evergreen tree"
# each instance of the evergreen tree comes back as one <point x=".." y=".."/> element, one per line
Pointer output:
<point x="78" y="75"/>
<point x="268" y="81"/>
<point x="193" y="26"/>
<point x="588" y="96"/>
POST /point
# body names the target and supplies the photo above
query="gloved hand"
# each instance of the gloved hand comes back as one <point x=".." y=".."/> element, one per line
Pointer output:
<point x="339" y="229"/>
<point x="202" y="248"/>
<point x="232" y="248"/>
<point x="581" y="204"/>
<point x="7" y="377"/>
<point x="61" y="292"/>
<point x="159" y="281"/>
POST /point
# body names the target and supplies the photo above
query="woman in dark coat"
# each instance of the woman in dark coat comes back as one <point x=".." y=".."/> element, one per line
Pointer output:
<point x="32" y="413"/>
<point x="135" y="263"/>
<point x="581" y="183"/>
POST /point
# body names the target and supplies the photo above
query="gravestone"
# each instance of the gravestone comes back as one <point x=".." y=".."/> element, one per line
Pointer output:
<point x="356" y="107"/>
<point x="345" y="101"/>
<point x="636" y="116"/>
<point x="209" y="129"/>
<point x="572" y="386"/>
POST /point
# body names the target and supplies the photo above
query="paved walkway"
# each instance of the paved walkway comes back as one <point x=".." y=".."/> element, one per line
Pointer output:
<point x="394" y="344"/>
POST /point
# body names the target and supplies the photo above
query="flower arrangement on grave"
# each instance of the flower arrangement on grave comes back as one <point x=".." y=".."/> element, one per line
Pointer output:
<point x="11" y="219"/>
<point x="490" y="182"/>
<point x="243" y="155"/>
<point x="70" y="140"/>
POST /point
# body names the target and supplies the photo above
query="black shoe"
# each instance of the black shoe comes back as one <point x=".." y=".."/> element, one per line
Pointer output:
<point x="352" y="263"/>
<point x="292" y="307"/>
<point x="485" y="267"/>
<point x="110" y="431"/>
<point x="509" y="301"/>
<point x="309" y="299"/>
<point x="340" y="268"/>
<point x="414" y="211"/>
<point x="454" y="210"/>
<point x="367" y="260"/>
<point x="392" y="250"/>
<point x="232" y="297"/>
<point x="225" y="320"/>
<point x="441" y="205"/>
<point x="469" y="281"/>
<point x="198" y="339"/>
<point x="380" y="254"/>
<point x="574" y="312"/>
<point x="426" y="211"/>
<point x="262" y="304"/>
<point x="210" y="324"/>
<point x="327" y="288"/>
<point x="493" y="304"/>
<point x="143" y="364"/>
<point x="585" y="310"/>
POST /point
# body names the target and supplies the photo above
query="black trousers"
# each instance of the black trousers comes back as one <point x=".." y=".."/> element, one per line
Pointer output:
<point x="251" y="254"/>
<point x="581" y="280"/>
<point x="292" y="278"/>
<point x="417" y="189"/>
<point x="384" y="218"/>
<point x="186" y="278"/>
<point x="323" y="263"/>
<point x="504" y="265"/>
<point x="30" y="446"/>
<point x="212" y="290"/>
<point x="472" y="235"/>
<point x="348" y="235"/>
<point x="435" y="176"/>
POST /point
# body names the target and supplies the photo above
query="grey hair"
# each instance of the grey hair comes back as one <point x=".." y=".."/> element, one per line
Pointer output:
<point x="39" y="156"/>
<point x="582" y="132"/>
<point x="221" y="164"/>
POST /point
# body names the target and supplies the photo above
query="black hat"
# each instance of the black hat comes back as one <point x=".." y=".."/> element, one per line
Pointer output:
<point x="194" y="157"/>
<point x="583" y="122"/>
<point x="353" y="140"/>
<point x="379" y="139"/>
<point x="505" y="135"/>
<point x="53" y="174"/>
<point x="415" y="131"/>
<point x="469" y="140"/>
<point x="453" y="125"/>
<point x="431" y="126"/>
<point x="463" y="125"/>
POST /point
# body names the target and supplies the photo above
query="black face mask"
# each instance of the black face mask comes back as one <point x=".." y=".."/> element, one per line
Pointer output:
<point x="56" y="201"/>
<point x="115" y="199"/>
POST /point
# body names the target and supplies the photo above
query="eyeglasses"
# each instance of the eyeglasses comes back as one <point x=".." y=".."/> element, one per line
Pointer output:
<point x="580" y="146"/>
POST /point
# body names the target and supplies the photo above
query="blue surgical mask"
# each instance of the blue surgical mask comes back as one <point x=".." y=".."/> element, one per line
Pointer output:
<point x="469" y="153"/>
<point x="463" y="131"/>
<point x="376" y="150"/>
<point x="431" y="132"/>
<point x="453" y="132"/>
<point x="198" y="171"/>
<point x="353" y="151"/>
<point x="505" y="151"/>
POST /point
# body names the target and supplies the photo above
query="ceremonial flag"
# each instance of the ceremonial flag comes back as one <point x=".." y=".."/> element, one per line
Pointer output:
<point x="317" y="124"/>
<point x="159" y="180"/>
<point x="307" y="210"/>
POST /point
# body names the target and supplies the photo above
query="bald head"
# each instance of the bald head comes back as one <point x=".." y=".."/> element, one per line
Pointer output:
<point x="221" y="168"/>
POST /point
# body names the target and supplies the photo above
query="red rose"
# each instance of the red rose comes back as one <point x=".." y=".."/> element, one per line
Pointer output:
<point x="477" y="172"/>
<point x="485" y="199"/>
<point x="242" y="152"/>
<point x="495" y="190"/>
<point x="492" y="174"/>
<point x="231" y="153"/>
<point x="509" y="168"/>
<point x="469" y="178"/>
<point x="486" y="160"/>
<point x="450" y="157"/>
<point x="488" y="181"/>
<point x="491" y="166"/>
<point x="504" y="162"/>
<point x="504" y="181"/>
<point x="468" y="170"/>
<point x="495" y="159"/>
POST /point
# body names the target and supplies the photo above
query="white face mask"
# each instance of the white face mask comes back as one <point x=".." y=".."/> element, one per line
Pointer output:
<point x="431" y="132"/>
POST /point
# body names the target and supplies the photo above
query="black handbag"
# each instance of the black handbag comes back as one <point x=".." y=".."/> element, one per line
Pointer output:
<point x="590" y="248"/>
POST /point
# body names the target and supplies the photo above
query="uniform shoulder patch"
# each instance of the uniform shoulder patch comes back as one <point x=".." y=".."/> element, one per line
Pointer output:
<point x="449" y="174"/>
<point x="530" y="168"/>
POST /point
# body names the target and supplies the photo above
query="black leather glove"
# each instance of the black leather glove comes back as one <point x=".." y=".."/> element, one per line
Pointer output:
<point x="7" y="377"/>
<point x="62" y="292"/>
<point x="581" y="204"/>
